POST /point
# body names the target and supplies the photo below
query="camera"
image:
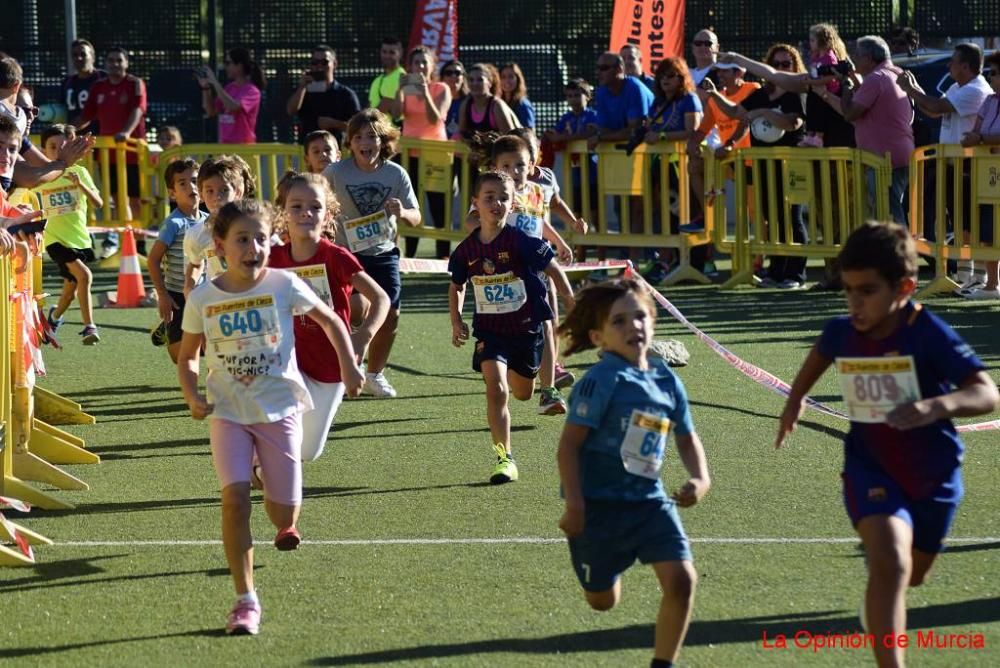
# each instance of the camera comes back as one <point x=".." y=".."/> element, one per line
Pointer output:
<point x="843" y="68"/>
<point x="317" y="75"/>
<point x="638" y="136"/>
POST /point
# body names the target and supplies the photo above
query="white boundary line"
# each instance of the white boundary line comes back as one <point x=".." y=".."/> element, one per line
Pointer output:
<point x="514" y="540"/>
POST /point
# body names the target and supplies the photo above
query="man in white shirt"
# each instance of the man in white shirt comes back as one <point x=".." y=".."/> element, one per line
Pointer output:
<point x="960" y="104"/>
<point x="957" y="110"/>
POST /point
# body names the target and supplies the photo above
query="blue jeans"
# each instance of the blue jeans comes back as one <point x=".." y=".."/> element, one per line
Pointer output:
<point x="898" y="190"/>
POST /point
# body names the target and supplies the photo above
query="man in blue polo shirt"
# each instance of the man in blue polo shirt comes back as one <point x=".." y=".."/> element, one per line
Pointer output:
<point x="622" y="102"/>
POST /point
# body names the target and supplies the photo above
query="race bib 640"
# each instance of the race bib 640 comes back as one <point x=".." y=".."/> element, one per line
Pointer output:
<point x="242" y="325"/>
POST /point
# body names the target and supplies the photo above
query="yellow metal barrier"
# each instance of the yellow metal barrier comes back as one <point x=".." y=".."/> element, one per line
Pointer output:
<point x="433" y="162"/>
<point x="964" y="182"/>
<point x="830" y="182"/>
<point x="629" y="180"/>
<point x="108" y="156"/>
<point x="268" y="162"/>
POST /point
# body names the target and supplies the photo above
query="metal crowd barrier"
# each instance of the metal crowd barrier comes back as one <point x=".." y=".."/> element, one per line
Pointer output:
<point x="955" y="207"/>
<point x="831" y="184"/>
<point x="651" y="185"/>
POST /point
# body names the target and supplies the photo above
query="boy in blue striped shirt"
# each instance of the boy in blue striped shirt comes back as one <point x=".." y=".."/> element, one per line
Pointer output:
<point x="166" y="259"/>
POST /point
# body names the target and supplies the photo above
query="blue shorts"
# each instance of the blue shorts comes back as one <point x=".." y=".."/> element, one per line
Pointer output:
<point x="616" y="533"/>
<point x="868" y="491"/>
<point x="522" y="353"/>
<point x="174" y="331"/>
<point x="384" y="270"/>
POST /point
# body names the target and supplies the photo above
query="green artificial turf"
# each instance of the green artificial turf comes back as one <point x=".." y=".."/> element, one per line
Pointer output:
<point x="416" y="468"/>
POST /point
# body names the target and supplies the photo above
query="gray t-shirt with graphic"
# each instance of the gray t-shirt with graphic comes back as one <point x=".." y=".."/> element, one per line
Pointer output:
<point x="364" y="193"/>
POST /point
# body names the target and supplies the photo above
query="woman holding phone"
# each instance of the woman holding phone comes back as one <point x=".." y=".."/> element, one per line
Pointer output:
<point x="238" y="102"/>
<point x="423" y="102"/>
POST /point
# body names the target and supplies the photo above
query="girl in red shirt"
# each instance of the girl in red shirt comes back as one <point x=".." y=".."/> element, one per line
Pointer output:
<point x="308" y="206"/>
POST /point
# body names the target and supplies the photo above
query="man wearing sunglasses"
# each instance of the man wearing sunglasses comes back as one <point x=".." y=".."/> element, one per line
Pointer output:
<point x="705" y="47"/>
<point x="320" y="101"/>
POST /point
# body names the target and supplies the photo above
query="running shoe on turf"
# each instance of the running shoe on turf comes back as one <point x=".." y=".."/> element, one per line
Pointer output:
<point x="376" y="385"/>
<point x="656" y="273"/>
<point x="56" y="323"/>
<point x="244" y="620"/>
<point x="563" y="377"/>
<point x="505" y="469"/>
<point x="90" y="335"/>
<point x="551" y="402"/>
<point x="982" y="293"/>
<point x="288" y="539"/>
<point x="158" y="335"/>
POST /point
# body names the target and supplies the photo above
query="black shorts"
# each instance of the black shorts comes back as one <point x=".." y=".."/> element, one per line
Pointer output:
<point x="522" y="353"/>
<point x="131" y="175"/>
<point x="174" y="331"/>
<point x="384" y="270"/>
<point x="63" y="257"/>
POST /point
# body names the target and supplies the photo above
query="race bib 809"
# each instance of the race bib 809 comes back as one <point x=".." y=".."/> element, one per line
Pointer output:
<point x="874" y="386"/>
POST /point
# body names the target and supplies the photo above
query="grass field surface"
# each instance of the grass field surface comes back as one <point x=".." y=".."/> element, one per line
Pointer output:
<point x="411" y="557"/>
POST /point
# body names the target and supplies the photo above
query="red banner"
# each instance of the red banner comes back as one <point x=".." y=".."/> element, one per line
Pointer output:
<point x="655" y="26"/>
<point x="435" y="25"/>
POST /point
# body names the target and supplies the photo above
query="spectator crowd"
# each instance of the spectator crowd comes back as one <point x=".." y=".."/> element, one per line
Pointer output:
<point x="830" y="94"/>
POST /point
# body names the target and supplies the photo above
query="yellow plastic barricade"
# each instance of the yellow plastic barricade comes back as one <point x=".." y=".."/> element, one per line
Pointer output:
<point x="830" y="182"/>
<point x="268" y="162"/>
<point x="629" y="182"/>
<point x="107" y="156"/>
<point x="435" y="163"/>
<point x="955" y="207"/>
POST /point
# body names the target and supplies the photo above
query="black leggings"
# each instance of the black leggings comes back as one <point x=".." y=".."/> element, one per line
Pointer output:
<point x="436" y="204"/>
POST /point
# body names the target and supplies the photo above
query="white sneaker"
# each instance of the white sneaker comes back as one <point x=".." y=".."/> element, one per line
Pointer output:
<point x="377" y="386"/>
<point x="983" y="293"/>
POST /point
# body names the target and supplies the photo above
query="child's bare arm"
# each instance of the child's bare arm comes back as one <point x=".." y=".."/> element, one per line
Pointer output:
<point x="191" y="274"/>
<point x="377" y="312"/>
<point x="561" y="209"/>
<point x="187" y="373"/>
<point x="563" y="287"/>
<point x="811" y="371"/>
<point x="340" y="338"/>
<point x="977" y="395"/>
<point x="456" y="302"/>
<point x="551" y="234"/>
<point x="92" y="195"/>
<point x="692" y="455"/>
<point x="568" y="458"/>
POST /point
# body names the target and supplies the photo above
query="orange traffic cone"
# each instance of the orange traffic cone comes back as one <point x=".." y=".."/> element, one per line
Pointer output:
<point x="130" y="288"/>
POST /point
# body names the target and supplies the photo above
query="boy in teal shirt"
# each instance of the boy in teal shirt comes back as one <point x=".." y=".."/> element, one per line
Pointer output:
<point x="64" y="206"/>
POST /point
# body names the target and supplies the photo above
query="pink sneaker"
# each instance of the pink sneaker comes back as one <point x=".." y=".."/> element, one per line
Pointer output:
<point x="287" y="539"/>
<point x="244" y="619"/>
<point x="563" y="377"/>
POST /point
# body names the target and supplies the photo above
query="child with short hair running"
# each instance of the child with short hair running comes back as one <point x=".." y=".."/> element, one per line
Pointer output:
<point x="255" y="392"/>
<point x="222" y="179"/>
<point x="904" y="374"/>
<point x="374" y="194"/>
<point x="529" y="213"/>
<point x="309" y="207"/>
<point x="610" y="456"/>
<point x="321" y="150"/>
<point x="64" y="204"/>
<point x="504" y="265"/>
<point x="166" y="258"/>
<point x="546" y="178"/>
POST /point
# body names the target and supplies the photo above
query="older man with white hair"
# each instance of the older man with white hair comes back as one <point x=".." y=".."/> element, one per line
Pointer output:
<point x="880" y="110"/>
